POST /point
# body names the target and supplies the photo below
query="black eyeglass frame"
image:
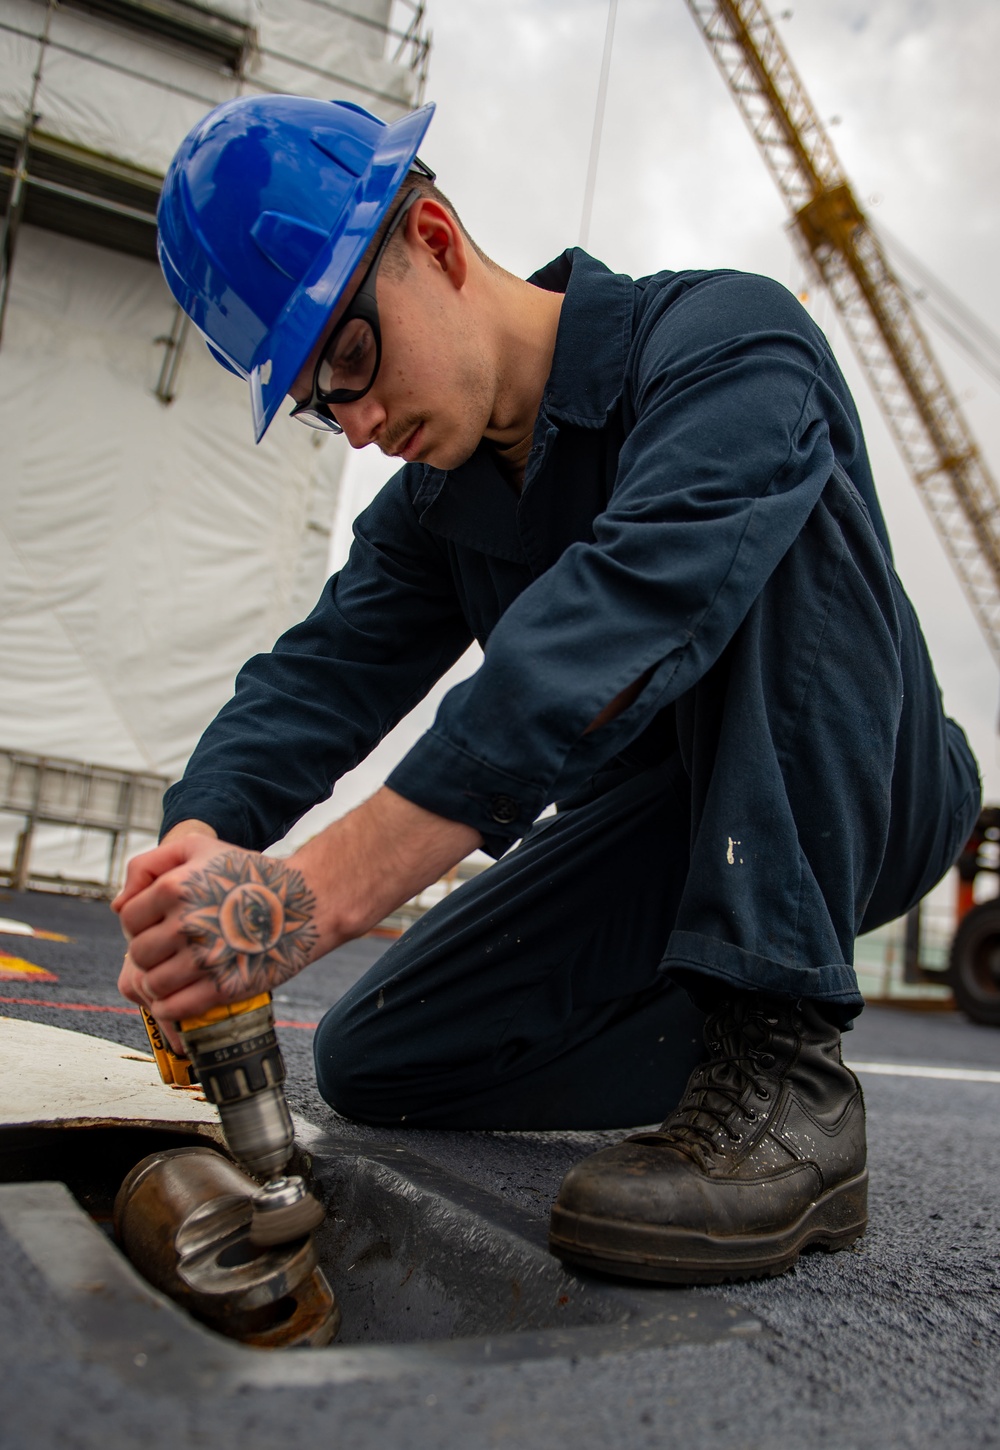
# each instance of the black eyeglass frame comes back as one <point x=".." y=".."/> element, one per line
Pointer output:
<point x="315" y="410"/>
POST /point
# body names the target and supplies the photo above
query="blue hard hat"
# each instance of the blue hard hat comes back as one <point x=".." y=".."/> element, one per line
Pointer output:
<point x="266" y="210"/>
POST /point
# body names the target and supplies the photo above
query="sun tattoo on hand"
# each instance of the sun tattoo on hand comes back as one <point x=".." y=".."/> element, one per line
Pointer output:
<point x="249" y="922"/>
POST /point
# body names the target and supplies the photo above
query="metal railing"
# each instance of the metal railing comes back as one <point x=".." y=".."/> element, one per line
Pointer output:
<point x="51" y="791"/>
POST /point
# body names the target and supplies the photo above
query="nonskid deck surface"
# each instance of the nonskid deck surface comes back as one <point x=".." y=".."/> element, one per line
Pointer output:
<point x="921" y="1287"/>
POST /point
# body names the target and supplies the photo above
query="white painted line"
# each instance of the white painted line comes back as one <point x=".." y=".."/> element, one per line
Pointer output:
<point x="945" y="1074"/>
<point x="15" y="928"/>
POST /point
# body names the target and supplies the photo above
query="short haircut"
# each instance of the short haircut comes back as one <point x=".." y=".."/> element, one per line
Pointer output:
<point x="396" y="262"/>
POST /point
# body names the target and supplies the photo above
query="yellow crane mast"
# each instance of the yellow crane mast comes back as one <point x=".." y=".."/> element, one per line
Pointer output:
<point x="842" y="250"/>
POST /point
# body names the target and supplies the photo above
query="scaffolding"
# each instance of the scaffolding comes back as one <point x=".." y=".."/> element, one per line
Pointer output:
<point x="116" y="804"/>
<point x="147" y="546"/>
<point x="49" y="181"/>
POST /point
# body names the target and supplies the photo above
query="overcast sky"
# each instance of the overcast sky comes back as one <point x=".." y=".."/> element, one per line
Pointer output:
<point x="913" y="84"/>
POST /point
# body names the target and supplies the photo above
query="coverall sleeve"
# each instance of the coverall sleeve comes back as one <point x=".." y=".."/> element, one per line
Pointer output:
<point x="385" y="629"/>
<point x="737" y="417"/>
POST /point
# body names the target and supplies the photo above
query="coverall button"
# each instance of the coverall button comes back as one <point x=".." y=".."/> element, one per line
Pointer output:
<point x="503" y="809"/>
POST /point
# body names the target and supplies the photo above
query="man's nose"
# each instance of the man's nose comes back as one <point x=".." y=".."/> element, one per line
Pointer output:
<point x="362" y="421"/>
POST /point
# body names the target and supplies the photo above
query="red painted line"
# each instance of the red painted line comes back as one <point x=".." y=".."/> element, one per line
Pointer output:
<point x="69" y="1006"/>
<point x="123" y="1011"/>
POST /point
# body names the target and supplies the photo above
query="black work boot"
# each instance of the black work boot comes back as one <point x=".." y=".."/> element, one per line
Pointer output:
<point x="764" y="1155"/>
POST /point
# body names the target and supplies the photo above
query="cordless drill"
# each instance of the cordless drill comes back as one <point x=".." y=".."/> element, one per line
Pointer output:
<point x="233" y="1052"/>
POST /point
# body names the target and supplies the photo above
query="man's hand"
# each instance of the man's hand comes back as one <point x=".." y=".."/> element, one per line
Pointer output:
<point x="131" y="980"/>
<point x="209" y="922"/>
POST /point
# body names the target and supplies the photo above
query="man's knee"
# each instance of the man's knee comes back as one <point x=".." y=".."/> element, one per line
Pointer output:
<point x="351" y="1070"/>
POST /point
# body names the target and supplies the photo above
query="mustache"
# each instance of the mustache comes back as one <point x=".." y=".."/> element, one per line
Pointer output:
<point x="396" y="435"/>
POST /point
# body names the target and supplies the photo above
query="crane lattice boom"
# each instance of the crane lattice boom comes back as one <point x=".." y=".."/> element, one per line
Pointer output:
<point x="843" y="251"/>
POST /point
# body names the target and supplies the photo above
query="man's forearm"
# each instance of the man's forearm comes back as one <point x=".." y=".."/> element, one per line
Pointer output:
<point x="365" y="865"/>
<point x="210" y="922"/>
<point x="189" y="828"/>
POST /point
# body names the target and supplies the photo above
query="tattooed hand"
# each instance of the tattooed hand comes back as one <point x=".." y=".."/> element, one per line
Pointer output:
<point x="249" y="922"/>
<point x="210" y="923"/>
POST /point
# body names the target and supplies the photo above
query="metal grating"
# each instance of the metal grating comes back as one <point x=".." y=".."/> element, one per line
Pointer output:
<point x="213" y="37"/>
<point x="82" y="194"/>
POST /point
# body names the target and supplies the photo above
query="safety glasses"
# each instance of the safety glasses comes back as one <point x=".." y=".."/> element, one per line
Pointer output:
<point x="349" y="362"/>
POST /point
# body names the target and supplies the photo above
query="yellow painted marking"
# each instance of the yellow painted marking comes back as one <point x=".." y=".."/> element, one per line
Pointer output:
<point x="15" y="969"/>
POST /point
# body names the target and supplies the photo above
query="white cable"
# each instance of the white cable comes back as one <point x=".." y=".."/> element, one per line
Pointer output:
<point x="595" y="140"/>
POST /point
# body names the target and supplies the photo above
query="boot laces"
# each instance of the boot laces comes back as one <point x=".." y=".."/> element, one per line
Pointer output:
<point x="717" y="1090"/>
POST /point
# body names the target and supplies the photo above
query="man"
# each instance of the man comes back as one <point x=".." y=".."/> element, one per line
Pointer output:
<point x="651" y="505"/>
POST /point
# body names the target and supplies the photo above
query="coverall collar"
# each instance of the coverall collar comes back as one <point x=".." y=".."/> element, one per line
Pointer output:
<point x="592" y="342"/>
<point x="472" y="504"/>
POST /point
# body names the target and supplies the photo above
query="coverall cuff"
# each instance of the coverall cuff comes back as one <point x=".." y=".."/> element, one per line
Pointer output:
<point x="444" y="778"/>
<point x="226" y="815"/>
<point x="689" y="951"/>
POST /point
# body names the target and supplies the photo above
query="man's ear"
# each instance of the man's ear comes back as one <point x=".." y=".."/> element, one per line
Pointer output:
<point x="432" y="230"/>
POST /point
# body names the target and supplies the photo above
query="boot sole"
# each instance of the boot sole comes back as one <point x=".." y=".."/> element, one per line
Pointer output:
<point x="672" y="1255"/>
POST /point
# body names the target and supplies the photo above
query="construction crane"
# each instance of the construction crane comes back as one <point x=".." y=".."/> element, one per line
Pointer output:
<point x="840" y="249"/>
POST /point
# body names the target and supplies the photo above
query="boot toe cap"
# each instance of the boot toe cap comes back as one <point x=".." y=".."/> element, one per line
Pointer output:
<point x="660" y="1186"/>
<point x="635" y="1183"/>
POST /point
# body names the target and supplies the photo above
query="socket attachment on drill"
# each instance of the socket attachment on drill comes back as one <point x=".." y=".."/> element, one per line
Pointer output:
<point x="239" y="1065"/>
<point x="233" y="1051"/>
<point x="283" y="1210"/>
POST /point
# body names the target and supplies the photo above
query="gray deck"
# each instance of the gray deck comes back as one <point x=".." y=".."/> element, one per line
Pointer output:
<point x="895" y="1342"/>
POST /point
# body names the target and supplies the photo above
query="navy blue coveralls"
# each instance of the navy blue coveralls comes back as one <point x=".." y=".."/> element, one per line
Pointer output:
<point x="698" y="509"/>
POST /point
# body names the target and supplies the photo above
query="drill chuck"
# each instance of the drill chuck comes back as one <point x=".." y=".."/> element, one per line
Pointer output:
<point x="239" y="1065"/>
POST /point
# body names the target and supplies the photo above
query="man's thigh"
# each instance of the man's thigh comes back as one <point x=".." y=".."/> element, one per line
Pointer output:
<point x="547" y="950"/>
<point x="828" y="789"/>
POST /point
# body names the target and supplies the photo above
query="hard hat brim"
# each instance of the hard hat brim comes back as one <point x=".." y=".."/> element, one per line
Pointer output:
<point x="298" y="329"/>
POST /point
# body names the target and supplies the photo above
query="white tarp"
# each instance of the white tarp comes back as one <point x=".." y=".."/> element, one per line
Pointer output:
<point x="146" y="551"/>
<point x="355" y="69"/>
<point x="110" y="90"/>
